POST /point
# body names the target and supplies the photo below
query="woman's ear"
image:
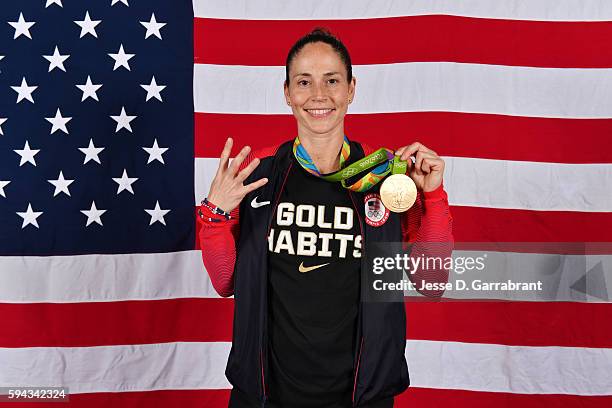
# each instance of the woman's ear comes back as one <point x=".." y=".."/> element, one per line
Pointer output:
<point x="351" y="90"/>
<point x="286" y="92"/>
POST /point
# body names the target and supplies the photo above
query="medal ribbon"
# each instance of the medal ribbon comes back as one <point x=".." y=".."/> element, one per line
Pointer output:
<point x="383" y="160"/>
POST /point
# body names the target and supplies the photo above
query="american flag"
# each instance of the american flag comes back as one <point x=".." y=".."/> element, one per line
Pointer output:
<point x="113" y="115"/>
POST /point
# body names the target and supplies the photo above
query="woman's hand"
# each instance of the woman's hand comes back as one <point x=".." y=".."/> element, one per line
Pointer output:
<point x="428" y="169"/>
<point x="227" y="189"/>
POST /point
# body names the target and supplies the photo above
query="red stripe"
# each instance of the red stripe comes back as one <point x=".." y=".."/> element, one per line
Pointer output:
<point x="159" y="321"/>
<point x="528" y="231"/>
<point x="115" y="323"/>
<point x="412" y="397"/>
<point x="436" y="398"/>
<point x="478" y="224"/>
<point x="415" y="38"/>
<point x="448" y="133"/>
<point x="570" y="324"/>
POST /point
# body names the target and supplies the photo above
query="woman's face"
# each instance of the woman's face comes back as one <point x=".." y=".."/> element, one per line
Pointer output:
<point x="318" y="90"/>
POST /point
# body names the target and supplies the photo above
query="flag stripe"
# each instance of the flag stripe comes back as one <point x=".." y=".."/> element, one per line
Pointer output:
<point x="148" y="399"/>
<point x="415" y="38"/>
<point x="162" y="321"/>
<point x="147" y="276"/>
<point x="436" y="398"/>
<point x="115" y="277"/>
<point x="116" y="323"/>
<point x="474" y="224"/>
<point x="133" y="367"/>
<point x="449" y="133"/>
<point x="426" y="86"/>
<point x="550" y="10"/>
<point x="519" y="369"/>
<point x="196" y="365"/>
<point x="413" y="397"/>
<point x="499" y="184"/>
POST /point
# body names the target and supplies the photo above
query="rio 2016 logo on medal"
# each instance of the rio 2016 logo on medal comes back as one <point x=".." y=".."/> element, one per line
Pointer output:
<point x="376" y="214"/>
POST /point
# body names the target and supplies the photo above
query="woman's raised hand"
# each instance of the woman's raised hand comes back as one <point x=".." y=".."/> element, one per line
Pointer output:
<point x="227" y="189"/>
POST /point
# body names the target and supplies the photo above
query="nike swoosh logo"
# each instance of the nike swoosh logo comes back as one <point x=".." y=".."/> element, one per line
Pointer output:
<point x="303" y="268"/>
<point x="256" y="204"/>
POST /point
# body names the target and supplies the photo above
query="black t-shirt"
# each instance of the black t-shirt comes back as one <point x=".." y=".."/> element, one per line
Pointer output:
<point x="314" y="250"/>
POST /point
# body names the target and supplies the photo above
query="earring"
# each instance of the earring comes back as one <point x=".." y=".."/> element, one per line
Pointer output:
<point x="288" y="103"/>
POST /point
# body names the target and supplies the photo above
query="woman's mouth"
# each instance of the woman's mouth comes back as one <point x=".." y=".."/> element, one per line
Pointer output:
<point x="319" y="113"/>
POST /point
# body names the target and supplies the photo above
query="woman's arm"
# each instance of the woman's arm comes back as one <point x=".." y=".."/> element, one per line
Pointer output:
<point x="218" y="242"/>
<point x="427" y="225"/>
<point x="218" y="245"/>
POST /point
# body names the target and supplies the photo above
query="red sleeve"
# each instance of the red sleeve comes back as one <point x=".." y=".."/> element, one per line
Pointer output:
<point x="218" y="244"/>
<point x="428" y="226"/>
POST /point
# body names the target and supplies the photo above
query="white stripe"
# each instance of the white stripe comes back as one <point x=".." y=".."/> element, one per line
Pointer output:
<point x="420" y="86"/>
<point x="551" y="10"/>
<point x="514" y="369"/>
<point x="501" y="184"/>
<point x="432" y="364"/>
<point x="528" y="185"/>
<point x="138" y="367"/>
<point x="107" y="278"/>
<point x="103" y="278"/>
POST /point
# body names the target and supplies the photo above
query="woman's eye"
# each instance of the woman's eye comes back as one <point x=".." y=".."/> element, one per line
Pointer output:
<point x="333" y="81"/>
<point x="303" y="82"/>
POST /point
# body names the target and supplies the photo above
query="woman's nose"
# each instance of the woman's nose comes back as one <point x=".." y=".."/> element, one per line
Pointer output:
<point x="319" y="92"/>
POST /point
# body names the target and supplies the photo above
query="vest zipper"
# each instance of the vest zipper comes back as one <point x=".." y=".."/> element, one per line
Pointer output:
<point x="261" y="353"/>
<point x="363" y="246"/>
<point x="263" y="381"/>
<point x="357" y="370"/>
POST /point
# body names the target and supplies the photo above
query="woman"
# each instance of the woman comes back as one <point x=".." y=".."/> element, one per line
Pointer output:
<point x="288" y="244"/>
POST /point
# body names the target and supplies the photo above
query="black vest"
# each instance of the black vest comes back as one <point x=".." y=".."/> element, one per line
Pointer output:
<point x="380" y="368"/>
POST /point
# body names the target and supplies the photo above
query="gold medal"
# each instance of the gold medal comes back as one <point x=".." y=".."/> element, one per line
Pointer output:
<point x="398" y="192"/>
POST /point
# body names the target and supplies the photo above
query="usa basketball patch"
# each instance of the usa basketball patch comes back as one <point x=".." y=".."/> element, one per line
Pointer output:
<point x="376" y="214"/>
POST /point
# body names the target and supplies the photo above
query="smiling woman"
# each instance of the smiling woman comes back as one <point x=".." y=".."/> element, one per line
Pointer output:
<point x="319" y="86"/>
<point x="312" y="339"/>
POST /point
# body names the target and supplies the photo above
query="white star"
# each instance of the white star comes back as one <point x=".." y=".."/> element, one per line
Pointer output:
<point x="59" y="122"/>
<point x="123" y="120"/>
<point x="3" y="183"/>
<point x="50" y="2"/>
<point x="89" y="89"/>
<point x="56" y="60"/>
<point x="157" y="214"/>
<point x="24" y="91"/>
<point x="61" y="185"/>
<point x="155" y="152"/>
<point x="121" y="59"/>
<point x="29" y="217"/>
<point x="27" y="154"/>
<point x="122" y="1"/>
<point x="153" y="90"/>
<point x="152" y="27"/>
<point x="88" y="26"/>
<point x="93" y="214"/>
<point x="2" y="120"/>
<point x="22" y="27"/>
<point x="91" y="152"/>
<point x="125" y="182"/>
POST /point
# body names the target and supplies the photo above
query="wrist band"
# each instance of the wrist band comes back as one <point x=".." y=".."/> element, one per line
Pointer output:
<point x="215" y="210"/>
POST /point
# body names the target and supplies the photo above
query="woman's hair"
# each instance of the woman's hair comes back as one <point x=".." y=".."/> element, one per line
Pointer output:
<point x="320" y="34"/>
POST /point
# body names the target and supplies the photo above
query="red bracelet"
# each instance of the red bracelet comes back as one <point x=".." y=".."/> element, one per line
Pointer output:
<point x="215" y="210"/>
